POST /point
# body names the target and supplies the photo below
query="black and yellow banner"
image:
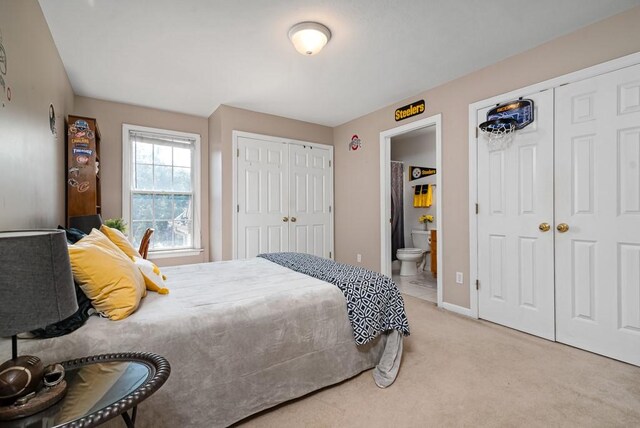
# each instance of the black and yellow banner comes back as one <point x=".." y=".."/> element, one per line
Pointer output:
<point x="416" y="172"/>
<point x="409" y="110"/>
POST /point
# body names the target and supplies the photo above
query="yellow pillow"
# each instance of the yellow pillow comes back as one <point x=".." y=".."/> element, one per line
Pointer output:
<point x="153" y="278"/>
<point x="120" y="240"/>
<point x="106" y="275"/>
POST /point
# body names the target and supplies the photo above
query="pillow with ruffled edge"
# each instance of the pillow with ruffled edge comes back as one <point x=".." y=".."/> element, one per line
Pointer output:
<point x="153" y="278"/>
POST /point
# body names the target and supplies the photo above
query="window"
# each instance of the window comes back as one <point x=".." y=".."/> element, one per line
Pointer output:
<point x="161" y="188"/>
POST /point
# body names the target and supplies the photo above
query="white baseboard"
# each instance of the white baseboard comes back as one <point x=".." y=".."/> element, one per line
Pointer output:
<point x="458" y="309"/>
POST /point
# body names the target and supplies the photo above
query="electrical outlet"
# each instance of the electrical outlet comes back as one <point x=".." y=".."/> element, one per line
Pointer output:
<point x="359" y="258"/>
<point x="459" y="278"/>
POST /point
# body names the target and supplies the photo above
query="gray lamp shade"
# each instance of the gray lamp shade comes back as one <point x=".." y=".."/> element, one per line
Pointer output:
<point x="36" y="283"/>
<point x="86" y="222"/>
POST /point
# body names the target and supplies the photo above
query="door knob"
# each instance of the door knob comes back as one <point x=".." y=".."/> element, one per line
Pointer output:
<point x="562" y="227"/>
<point x="285" y="219"/>
<point x="544" y="227"/>
<point x="293" y="219"/>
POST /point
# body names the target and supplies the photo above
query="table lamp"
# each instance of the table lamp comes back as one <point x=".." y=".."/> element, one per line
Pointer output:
<point x="36" y="289"/>
<point x="86" y="222"/>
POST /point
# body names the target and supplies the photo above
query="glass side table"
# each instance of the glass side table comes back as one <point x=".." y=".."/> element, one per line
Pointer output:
<point x="100" y="388"/>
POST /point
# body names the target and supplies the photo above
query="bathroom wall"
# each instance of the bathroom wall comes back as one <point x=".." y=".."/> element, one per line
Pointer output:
<point x="417" y="148"/>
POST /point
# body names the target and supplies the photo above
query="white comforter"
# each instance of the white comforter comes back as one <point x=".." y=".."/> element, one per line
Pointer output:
<point x="241" y="336"/>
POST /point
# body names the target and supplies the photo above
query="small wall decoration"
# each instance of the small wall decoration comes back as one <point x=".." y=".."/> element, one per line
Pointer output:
<point x="409" y="110"/>
<point x="52" y="119"/>
<point x="355" y="143"/>
<point x="86" y="152"/>
<point x="6" y="90"/>
<point x="416" y="172"/>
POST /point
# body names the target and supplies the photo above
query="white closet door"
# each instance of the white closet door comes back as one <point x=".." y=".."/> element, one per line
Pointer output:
<point x="598" y="197"/>
<point x="310" y="200"/>
<point x="263" y="197"/>
<point x="515" y="196"/>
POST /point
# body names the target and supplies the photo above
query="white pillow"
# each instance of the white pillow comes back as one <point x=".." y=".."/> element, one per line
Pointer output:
<point x="153" y="278"/>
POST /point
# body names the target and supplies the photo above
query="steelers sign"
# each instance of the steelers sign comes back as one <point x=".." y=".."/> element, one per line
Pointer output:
<point x="416" y="172"/>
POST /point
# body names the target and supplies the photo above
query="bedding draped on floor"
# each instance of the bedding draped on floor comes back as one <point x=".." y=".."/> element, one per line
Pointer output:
<point x="374" y="303"/>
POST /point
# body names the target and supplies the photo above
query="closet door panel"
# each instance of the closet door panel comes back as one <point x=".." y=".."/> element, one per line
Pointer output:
<point x="515" y="196"/>
<point x="263" y="197"/>
<point x="310" y="200"/>
<point x="597" y="187"/>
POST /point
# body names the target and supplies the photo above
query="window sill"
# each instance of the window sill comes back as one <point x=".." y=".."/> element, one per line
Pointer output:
<point x="189" y="252"/>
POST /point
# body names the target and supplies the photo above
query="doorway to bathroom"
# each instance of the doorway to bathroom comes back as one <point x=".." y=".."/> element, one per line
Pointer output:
<point x="411" y="208"/>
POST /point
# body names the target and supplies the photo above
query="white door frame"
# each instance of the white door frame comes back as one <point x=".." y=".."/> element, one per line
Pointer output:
<point x="385" y="192"/>
<point x="605" y="67"/>
<point x="234" y="180"/>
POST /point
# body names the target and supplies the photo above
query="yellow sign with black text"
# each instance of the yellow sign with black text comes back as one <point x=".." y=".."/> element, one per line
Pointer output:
<point x="412" y="109"/>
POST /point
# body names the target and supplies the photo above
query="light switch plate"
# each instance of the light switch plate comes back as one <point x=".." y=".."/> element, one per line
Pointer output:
<point x="459" y="278"/>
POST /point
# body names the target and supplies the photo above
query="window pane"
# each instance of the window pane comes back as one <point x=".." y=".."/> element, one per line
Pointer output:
<point x="183" y="231"/>
<point x="144" y="153"/>
<point x="163" y="207"/>
<point x="181" y="157"/>
<point x="142" y="208"/>
<point x="162" y="155"/>
<point x="144" y="177"/>
<point x="162" y="178"/>
<point x="182" y="211"/>
<point x="163" y="236"/>
<point x="138" y="228"/>
<point x="182" y="179"/>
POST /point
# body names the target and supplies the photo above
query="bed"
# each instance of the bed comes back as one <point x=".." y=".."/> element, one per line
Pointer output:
<point x="241" y="336"/>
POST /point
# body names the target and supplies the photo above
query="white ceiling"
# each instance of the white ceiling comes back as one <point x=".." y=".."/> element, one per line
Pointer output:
<point x="190" y="56"/>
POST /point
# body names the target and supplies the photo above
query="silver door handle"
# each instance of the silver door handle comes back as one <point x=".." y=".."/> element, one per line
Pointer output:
<point x="285" y="219"/>
<point x="293" y="219"/>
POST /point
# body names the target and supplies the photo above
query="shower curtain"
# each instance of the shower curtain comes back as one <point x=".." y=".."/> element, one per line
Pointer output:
<point x="397" y="208"/>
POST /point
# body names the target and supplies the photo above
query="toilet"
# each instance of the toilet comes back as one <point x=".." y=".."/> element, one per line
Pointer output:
<point x="410" y="257"/>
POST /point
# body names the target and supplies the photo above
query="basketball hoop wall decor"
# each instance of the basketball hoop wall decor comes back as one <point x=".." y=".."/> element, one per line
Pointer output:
<point x="504" y="120"/>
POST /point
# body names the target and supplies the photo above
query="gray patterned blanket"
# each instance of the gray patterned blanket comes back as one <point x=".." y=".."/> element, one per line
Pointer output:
<point x="374" y="303"/>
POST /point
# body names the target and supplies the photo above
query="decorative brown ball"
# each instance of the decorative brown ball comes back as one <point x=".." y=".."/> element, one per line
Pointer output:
<point x="20" y="377"/>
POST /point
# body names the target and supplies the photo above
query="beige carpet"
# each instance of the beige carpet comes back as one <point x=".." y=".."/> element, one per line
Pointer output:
<point x="462" y="372"/>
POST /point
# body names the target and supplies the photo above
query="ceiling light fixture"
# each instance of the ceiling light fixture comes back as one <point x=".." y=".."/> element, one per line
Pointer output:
<point x="309" y="37"/>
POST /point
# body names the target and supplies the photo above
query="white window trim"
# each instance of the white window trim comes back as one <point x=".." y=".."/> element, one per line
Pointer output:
<point x="126" y="188"/>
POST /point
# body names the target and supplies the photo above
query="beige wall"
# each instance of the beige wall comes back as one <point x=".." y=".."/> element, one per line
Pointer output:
<point x="221" y="125"/>
<point x="357" y="178"/>
<point x="110" y="117"/>
<point x="32" y="159"/>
